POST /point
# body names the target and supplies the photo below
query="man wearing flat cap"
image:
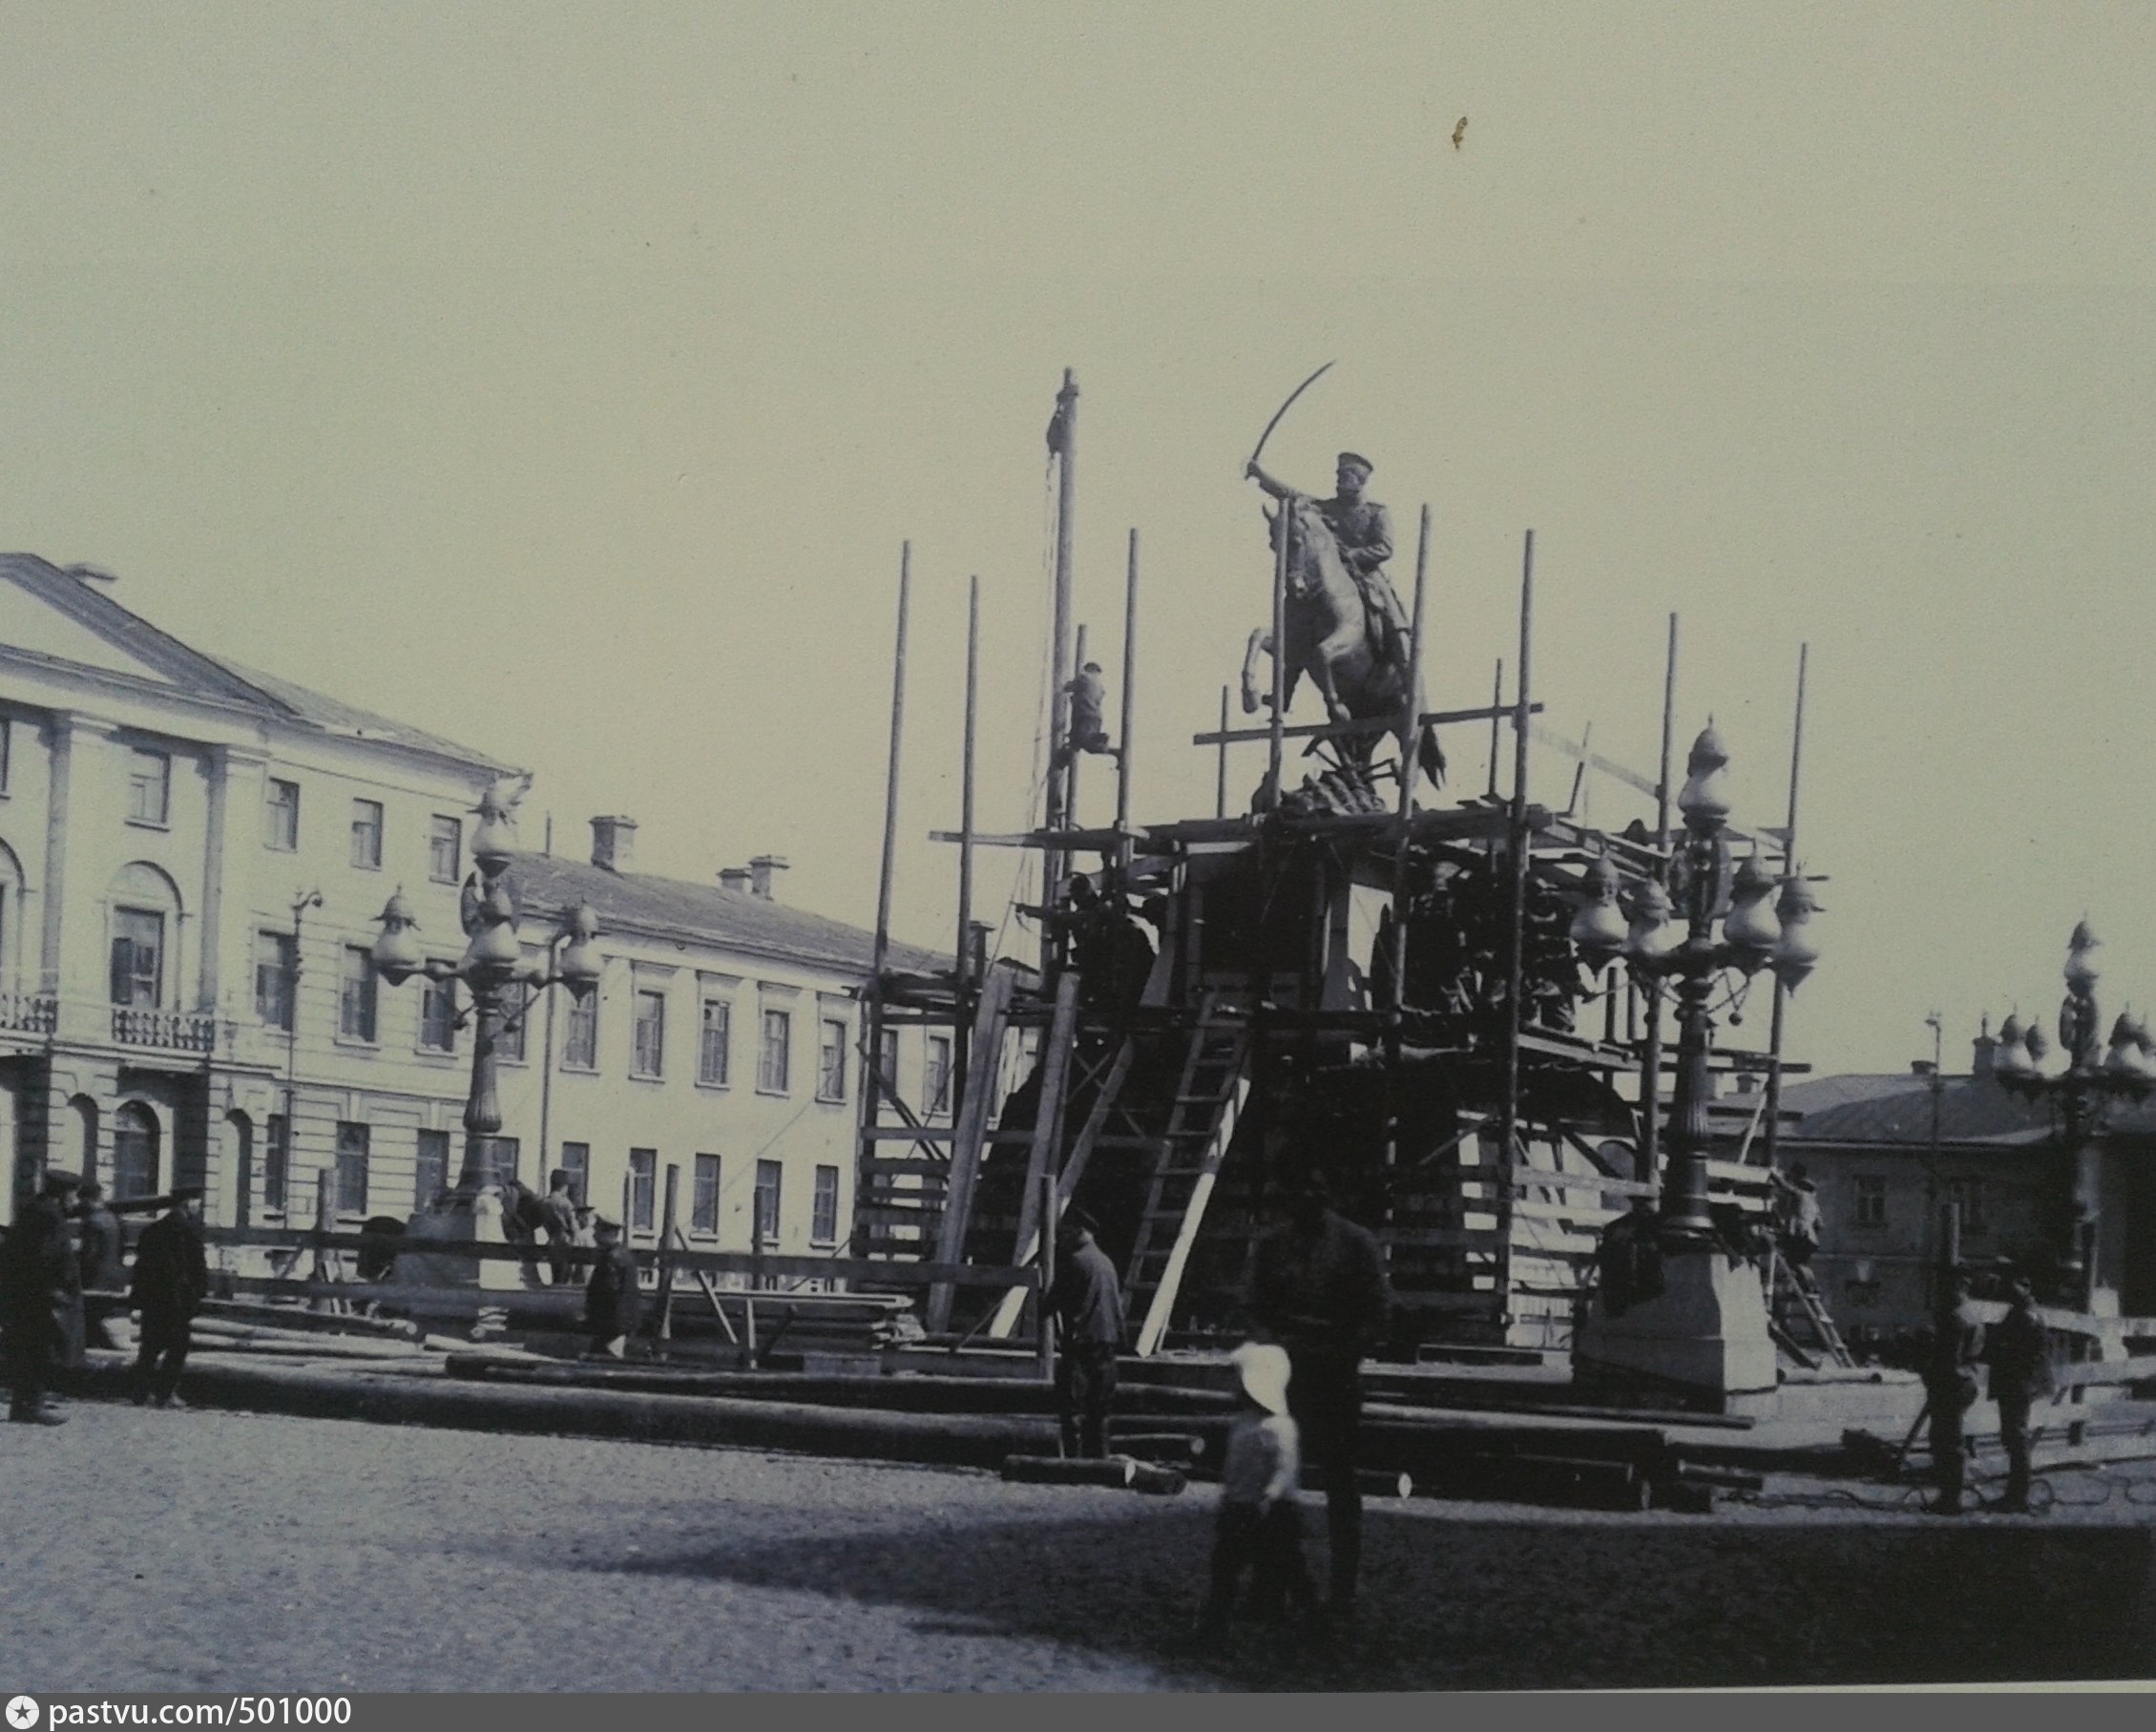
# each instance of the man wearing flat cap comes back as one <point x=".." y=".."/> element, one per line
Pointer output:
<point x="171" y="1278"/>
<point x="41" y="1299"/>
<point x="1364" y="531"/>
<point x="1086" y="1298"/>
<point x="614" y="1301"/>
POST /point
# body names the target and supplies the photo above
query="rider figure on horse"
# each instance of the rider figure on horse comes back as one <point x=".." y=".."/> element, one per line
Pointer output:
<point x="1364" y="529"/>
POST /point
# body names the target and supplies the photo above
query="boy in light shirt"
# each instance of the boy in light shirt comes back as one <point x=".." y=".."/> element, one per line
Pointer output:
<point x="1260" y="1526"/>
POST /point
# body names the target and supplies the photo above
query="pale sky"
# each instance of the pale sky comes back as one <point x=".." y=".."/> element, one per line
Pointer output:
<point x="565" y="378"/>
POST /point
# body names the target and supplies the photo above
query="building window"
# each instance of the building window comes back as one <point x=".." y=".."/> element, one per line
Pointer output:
<point x="577" y="1162"/>
<point x="830" y="1061"/>
<point x="135" y="1152"/>
<point x="445" y="850"/>
<point x="704" y="1208"/>
<point x="643" y="1179"/>
<point x="507" y="1156"/>
<point x="351" y="1168"/>
<point x="277" y="973"/>
<point x="767" y="1176"/>
<point x="431" y="1173"/>
<point x="774" y="1065"/>
<point x="367" y="834"/>
<point x="355" y="996"/>
<point x="437" y="1015"/>
<point x="651" y="1033"/>
<point x="138" y="949"/>
<point x="1871" y="1201"/>
<point x="148" y="787"/>
<point x="1967" y="1195"/>
<point x="277" y="1160"/>
<point x="824" y="1227"/>
<point x="715" y="1052"/>
<point x="281" y="816"/>
<point x="580" y="1044"/>
<point x="887" y="1061"/>
<point x="935" y="1076"/>
<point x="516" y="1017"/>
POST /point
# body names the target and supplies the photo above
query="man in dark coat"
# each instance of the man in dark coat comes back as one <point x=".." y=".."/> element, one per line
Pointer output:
<point x="1318" y="1287"/>
<point x="1087" y="1302"/>
<point x="41" y="1299"/>
<point x="171" y="1278"/>
<point x="614" y="1301"/>
<point x="2018" y="1352"/>
<point x="1951" y="1353"/>
<point x="104" y="1270"/>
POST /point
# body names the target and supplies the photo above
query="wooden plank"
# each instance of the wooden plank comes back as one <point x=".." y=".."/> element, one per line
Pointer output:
<point x="1048" y="1118"/>
<point x="899" y="1133"/>
<point x="986" y="1048"/>
<point x="1577" y="750"/>
<point x="1349" y="730"/>
<point x="1062" y="840"/>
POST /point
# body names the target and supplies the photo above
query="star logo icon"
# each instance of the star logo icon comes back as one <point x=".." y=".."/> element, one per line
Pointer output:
<point x="22" y="1712"/>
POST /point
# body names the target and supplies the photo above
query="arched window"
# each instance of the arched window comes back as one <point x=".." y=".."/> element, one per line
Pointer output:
<point x="135" y="1151"/>
<point x="81" y="1146"/>
<point x="145" y="937"/>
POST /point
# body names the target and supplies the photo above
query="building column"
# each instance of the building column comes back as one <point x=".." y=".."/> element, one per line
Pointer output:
<point x="85" y="818"/>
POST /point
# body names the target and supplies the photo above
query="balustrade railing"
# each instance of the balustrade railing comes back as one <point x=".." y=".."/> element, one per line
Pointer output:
<point x="175" y="1031"/>
<point x="28" y="1012"/>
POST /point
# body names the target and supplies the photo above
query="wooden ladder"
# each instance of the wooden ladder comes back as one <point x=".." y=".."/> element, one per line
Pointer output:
<point x="1786" y="1286"/>
<point x="1187" y="1160"/>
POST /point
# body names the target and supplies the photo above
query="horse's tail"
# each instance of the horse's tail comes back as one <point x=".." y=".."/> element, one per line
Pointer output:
<point x="1430" y="757"/>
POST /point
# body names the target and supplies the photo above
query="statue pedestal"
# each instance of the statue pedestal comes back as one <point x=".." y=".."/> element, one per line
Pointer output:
<point x="1706" y="1330"/>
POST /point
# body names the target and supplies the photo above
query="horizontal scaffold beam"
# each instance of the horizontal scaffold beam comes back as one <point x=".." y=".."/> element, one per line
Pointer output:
<point x="1349" y="730"/>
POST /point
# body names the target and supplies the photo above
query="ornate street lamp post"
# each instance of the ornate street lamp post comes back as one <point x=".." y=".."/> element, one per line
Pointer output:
<point x="1757" y="930"/>
<point x="492" y="962"/>
<point x="2083" y="1092"/>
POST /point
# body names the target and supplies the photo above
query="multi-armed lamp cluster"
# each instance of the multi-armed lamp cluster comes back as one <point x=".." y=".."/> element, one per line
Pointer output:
<point x="1759" y="930"/>
<point x="2091" y="1078"/>
<point x="492" y="962"/>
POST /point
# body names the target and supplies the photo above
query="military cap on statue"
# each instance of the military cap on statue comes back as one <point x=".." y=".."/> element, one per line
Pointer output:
<point x="1355" y="460"/>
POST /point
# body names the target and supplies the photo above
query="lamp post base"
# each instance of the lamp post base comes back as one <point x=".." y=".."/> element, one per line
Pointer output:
<point x="468" y="1212"/>
<point x="1706" y="1331"/>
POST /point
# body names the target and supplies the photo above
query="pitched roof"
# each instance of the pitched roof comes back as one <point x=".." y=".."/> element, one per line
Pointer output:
<point x="197" y="673"/>
<point x="1898" y="1109"/>
<point x="730" y="919"/>
<point x="334" y="716"/>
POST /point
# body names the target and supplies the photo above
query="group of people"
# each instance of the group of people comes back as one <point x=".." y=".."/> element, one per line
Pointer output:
<point x="1319" y="1297"/>
<point x="68" y="1240"/>
<point x="2015" y="1352"/>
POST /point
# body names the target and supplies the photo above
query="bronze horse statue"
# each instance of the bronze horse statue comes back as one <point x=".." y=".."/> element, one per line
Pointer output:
<point x="1330" y="638"/>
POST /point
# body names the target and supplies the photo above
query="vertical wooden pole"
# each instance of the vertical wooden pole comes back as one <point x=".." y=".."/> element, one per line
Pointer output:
<point x="1411" y="733"/>
<point x="1059" y="672"/>
<point x="1515" y="968"/>
<point x="1790" y="863"/>
<point x="1285" y="532"/>
<point x="1047" y="1271"/>
<point x="666" y="1232"/>
<point x="1650" y="1060"/>
<point x="1220" y="764"/>
<point x="1130" y="698"/>
<point x="967" y="985"/>
<point x="755" y="1280"/>
<point x="1497" y="722"/>
<point x="872" y="1031"/>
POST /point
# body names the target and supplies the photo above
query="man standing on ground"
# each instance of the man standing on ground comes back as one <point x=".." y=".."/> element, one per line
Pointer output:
<point x="614" y="1301"/>
<point x="41" y="1299"/>
<point x="171" y="1278"/>
<point x="1951" y="1357"/>
<point x="1318" y="1287"/>
<point x="557" y="1215"/>
<point x="1087" y="1303"/>
<point x="103" y="1270"/>
<point x="2018" y="1352"/>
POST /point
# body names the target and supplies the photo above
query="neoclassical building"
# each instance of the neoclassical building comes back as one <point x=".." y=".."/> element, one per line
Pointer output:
<point x="193" y="859"/>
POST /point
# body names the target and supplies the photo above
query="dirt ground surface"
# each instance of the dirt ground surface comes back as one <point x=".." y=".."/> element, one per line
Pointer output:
<point x="224" y="1552"/>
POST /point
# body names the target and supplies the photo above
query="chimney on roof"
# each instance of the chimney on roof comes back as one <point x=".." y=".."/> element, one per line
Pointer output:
<point x="1985" y="1049"/>
<point x="763" y="875"/>
<point x="613" y="842"/>
<point x="734" y="878"/>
